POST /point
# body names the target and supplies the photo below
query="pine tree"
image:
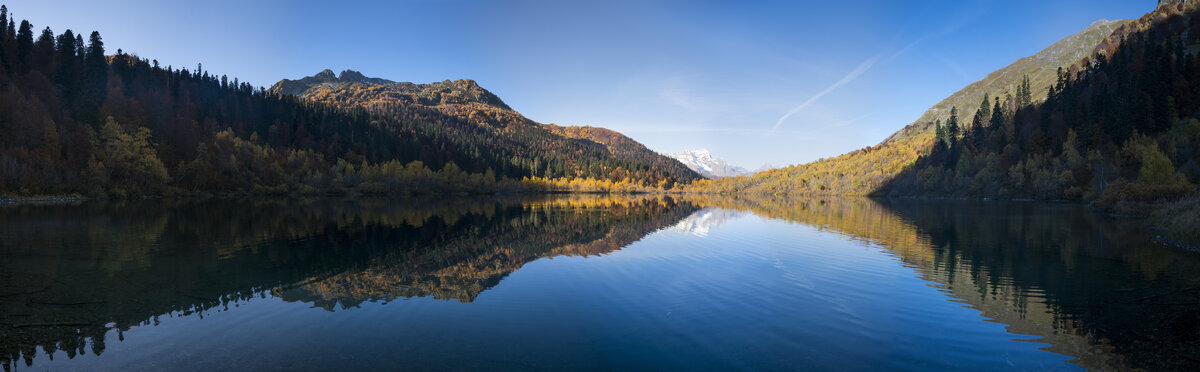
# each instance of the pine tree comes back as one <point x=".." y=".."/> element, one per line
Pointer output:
<point x="80" y="50"/>
<point x="985" y="107"/>
<point x="3" y="23"/>
<point x="941" y="132"/>
<point x="43" y="51"/>
<point x="24" y="46"/>
<point x="952" y="128"/>
<point x="977" y="123"/>
<point x="996" y="127"/>
<point x="67" y="67"/>
<point x="1024" y="93"/>
<point x="997" y="120"/>
<point x="5" y="65"/>
<point x="96" y="72"/>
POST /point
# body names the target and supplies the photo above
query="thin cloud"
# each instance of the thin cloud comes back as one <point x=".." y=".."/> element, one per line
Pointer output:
<point x="862" y="68"/>
<point x="851" y="121"/>
<point x="866" y="65"/>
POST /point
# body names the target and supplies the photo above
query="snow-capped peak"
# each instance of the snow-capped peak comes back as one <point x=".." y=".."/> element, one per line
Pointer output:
<point x="702" y="162"/>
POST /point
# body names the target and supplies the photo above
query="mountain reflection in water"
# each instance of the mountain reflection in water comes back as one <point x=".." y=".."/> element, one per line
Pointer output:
<point x="1096" y="288"/>
<point x="71" y="273"/>
<point x="1090" y="287"/>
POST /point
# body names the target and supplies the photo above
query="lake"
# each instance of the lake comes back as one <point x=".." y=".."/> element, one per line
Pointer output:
<point x="590" y="283"/>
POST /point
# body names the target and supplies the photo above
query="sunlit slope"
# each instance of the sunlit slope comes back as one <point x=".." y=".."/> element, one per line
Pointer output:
<point x="493" y="132"/>
<point x="862" y="171"/>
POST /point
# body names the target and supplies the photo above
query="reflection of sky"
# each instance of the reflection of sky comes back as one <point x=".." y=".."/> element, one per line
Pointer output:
<point x="754" y="294"/>
<point x="675" y="75"/>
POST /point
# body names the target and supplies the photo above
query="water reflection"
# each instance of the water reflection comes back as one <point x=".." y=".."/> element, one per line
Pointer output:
<point x="1095" y="288"/>
<point x="1091" y="287"/>
<point x="71" y="273"/>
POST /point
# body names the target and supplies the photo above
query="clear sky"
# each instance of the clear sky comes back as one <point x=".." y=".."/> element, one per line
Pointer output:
<point x="674" y="75"/>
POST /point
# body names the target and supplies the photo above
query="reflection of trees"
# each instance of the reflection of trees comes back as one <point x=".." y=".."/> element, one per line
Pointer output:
<point x="474" y="255"/>
<point x="1093" y="287"/>
<point x="71" y="273"/>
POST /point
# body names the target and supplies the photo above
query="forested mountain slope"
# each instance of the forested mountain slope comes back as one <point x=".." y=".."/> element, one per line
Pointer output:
<point x="75" y="119"/>
<point x="1120" y="129"/>
<point x="862" y="171"/>
<point x="545" y="151"/>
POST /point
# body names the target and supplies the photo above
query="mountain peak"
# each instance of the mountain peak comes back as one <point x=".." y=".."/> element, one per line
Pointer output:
<point x="325" y="74"/>
<point x="704" y="163"/>
<point x="350" y="75"/>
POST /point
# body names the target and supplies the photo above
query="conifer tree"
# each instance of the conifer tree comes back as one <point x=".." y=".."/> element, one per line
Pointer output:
<point x="3" y="23"/>
<point x="80" y="50"/>
<point x="96" y="72"/>
<point x="66" y="70"/>
<point x="5" y="65"/>
<point x="24" y="46"/>
<point x="997" y="119"/>
<point x="43" y="51"/>
<point x="985" y="107"/>
<point x="1024" y="93"/>
<point x="952" y="129"/>
<point x="977" y="123"/>
<point x="940" y="129"/>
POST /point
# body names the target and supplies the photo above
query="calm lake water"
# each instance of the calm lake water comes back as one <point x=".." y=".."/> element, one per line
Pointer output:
<point x="590" y="283"/>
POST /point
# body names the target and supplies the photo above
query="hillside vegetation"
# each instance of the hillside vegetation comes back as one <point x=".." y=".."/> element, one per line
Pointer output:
<point x="77" y="120"/>
<point x="549" y="154"/>
<point x="1121" y="129"/>
<point x="863" y="171"/>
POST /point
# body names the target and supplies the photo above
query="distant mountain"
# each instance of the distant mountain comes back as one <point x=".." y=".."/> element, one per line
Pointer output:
<point x="764" y="167"/>
<point x="704" y="163"/>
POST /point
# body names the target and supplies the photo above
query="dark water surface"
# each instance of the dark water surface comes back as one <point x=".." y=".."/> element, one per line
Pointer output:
<point x="590" y="283"/>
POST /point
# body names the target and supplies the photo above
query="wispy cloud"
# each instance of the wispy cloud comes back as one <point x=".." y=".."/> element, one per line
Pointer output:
<point x="848" y="122"/>
<point x="854" y="74"/>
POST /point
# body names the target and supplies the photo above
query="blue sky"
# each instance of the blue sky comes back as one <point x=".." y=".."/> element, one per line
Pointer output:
<point x="674" y="75"/>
